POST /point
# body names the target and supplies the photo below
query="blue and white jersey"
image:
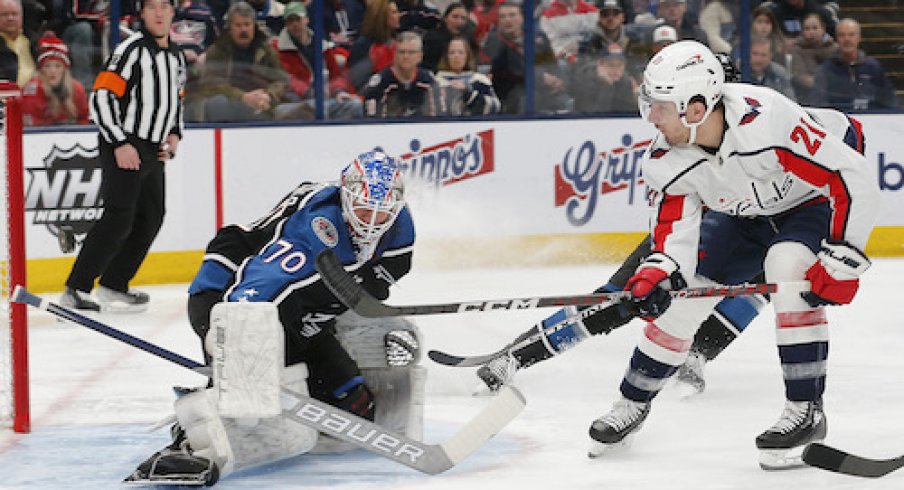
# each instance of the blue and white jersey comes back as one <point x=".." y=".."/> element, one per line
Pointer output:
<point x="273" y="258"/>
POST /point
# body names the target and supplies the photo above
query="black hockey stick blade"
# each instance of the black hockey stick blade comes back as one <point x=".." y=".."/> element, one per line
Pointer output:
<point x="828" y="458"/>
<point x="353" y="295"/>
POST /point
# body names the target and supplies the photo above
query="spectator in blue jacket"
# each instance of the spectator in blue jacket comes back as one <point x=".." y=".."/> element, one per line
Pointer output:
<point x="850" y="80"/>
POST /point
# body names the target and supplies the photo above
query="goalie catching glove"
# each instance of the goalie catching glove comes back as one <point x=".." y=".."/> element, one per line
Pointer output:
<point x="835" y="277"/>
<point x="649" y="300"/>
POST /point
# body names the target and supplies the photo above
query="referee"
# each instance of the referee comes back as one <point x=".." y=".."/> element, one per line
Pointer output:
<point x="136" y="104"/>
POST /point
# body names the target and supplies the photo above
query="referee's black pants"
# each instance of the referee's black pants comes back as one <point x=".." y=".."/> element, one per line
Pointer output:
<point x="134" y="206"/>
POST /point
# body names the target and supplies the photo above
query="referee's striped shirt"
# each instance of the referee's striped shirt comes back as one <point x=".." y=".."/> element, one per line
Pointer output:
<point x="140" y="91"/>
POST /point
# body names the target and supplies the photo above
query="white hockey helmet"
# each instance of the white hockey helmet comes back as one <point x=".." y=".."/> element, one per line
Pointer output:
<point x="372" y="196"/>
<point x="682" y="72"/>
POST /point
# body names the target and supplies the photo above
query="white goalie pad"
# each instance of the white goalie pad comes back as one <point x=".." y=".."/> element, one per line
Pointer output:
<point x="246" y="343"/>
<point x="379" y="342"/>
<point x="387" y="351"/>
<point x="239" y="443"/>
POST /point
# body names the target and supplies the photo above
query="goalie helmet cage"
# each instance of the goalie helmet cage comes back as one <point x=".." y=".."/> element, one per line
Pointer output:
<point x="14" y="411"/>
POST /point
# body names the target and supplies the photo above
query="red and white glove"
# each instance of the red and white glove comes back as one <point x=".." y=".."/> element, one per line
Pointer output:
<point x="649" y="299"/>
<point x="835" y="277"/>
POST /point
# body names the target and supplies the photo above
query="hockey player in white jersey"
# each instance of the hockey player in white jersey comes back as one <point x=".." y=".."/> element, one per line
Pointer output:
<point x="793" y="200"/>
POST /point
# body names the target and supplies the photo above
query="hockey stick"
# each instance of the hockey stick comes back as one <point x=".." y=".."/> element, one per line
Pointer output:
<point x="343" y="285"/>
<point x="427" y="458"/>
<point x="828" y="458"/>
<point x="452" y="360"/>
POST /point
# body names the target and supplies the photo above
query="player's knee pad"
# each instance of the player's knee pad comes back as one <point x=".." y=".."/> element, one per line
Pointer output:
<point x="239" y="443"/>
<point x="787" y="263"/>
<point x="668" y="338"/>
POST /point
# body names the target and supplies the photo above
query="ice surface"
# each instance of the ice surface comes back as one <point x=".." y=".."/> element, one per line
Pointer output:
<point x="94" y="399"/>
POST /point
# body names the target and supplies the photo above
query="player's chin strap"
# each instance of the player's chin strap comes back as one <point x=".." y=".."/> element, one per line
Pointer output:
<point x="327" y="419"/>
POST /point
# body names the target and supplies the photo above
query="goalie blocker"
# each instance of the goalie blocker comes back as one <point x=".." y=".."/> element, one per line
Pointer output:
<point x="232" y="426"/>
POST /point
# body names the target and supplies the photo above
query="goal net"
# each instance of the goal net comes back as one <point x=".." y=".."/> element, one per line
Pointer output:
<point x="13" y="317"/>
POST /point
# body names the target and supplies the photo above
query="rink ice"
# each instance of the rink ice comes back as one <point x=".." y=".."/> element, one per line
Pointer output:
<point x="94" y="399"/>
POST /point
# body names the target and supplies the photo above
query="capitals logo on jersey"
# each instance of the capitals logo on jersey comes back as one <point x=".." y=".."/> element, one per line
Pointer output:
<point x="753" y="111"/>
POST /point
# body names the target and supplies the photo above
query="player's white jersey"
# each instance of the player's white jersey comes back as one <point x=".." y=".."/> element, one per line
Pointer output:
<point x="775" y="156"/>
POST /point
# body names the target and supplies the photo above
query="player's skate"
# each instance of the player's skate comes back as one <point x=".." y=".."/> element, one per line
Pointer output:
<point x="689" y="377"/>
<point x="175" y="465"/>
<point x="616" y="428"/>
<point x="78" y="300"/>
<point x="498" y="372"/>
<point x="130" y="301"/>
<point x="782" y="444"/>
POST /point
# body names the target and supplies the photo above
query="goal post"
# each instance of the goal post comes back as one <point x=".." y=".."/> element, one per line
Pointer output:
<point x="14" y="397"/>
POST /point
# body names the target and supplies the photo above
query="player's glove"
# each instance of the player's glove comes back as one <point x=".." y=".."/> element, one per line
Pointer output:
<point x="835" y="277"/>
<point x="648" y="299"/>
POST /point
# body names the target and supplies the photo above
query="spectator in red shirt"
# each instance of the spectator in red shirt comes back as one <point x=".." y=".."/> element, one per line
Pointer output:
<point x="52" y="96"/>
<point x="296" y="53"/>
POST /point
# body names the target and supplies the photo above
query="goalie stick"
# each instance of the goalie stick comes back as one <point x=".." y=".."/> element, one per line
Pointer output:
<point x="353" y="295"/>
<point x="427" y="458"/>
<point x="828" y="458"/>
<point x="452" y="360"/>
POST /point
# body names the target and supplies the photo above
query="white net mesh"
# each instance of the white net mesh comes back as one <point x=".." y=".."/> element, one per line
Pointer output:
<point x="6" y="381"/>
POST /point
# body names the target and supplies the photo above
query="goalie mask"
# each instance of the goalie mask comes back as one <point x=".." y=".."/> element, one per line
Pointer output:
<point x="682" y="73"/>
<point x="372" y="197"/>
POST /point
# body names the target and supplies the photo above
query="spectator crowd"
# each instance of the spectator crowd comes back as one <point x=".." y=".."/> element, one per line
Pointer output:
<point x="254" y="60"/>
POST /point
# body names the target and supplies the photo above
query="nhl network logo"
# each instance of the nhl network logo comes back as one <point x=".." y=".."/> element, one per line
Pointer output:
<point x="66" y="192"/>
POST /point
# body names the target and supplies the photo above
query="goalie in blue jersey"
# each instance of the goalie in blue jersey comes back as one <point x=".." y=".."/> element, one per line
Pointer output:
<point x="364" y="367"/>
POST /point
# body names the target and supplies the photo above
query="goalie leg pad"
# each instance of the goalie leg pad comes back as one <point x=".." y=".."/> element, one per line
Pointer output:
<point x="238" y="443"/>
<point x="399" y="395"/>
<point x="247" y="342"/>
<point x="379" y="342"/>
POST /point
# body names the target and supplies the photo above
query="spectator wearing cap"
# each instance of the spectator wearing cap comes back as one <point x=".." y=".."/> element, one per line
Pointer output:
<point x="851" y="80"/>
<point x="17" y="54"/>
<point x="52" y="96"/>
<point x="296" y="53"/>
<point x="662" y="36"/>
<point x="675" y="14"/>
<point x="610" y="30"/>
<point x="605" y="86"/>
<point x="566" y="23"/>
<point x="765" y="72"/>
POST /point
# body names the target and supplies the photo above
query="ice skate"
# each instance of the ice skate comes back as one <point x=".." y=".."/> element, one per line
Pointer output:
<point x="113" y="301"/>
<point x="689" y="379"/>
<point x="78" y="300"/>
<point x="175" y="465"/>
<point x="616" y="429"/>
<point x="782" y="444"/>
<point x="497" y="373"/>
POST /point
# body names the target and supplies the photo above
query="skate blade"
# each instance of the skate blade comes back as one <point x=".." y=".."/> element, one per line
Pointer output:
<point x="118" y="308"/>
<point x="138" y="480"/>
<point x="782" y="459"/>
<point x="598" y="449"/>
<point x="686" y="390"/>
